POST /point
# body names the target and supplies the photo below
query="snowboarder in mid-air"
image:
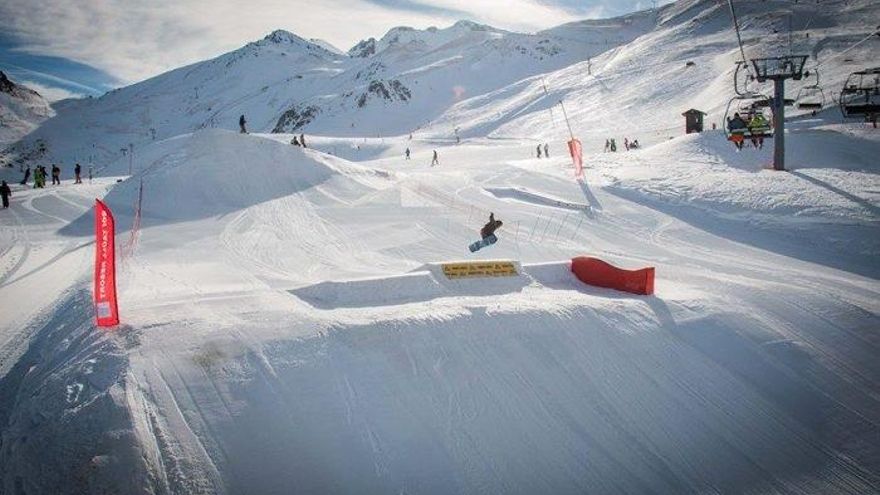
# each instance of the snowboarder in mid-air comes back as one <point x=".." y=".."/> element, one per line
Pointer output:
<point x="242" y="124"/>
<point x="487" y="233"/>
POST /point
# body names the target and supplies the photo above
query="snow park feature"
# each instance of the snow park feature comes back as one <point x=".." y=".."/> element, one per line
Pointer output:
<point x="596" y="272"/>
<point x="469" y="269"/>
<point x="306" y="319"/>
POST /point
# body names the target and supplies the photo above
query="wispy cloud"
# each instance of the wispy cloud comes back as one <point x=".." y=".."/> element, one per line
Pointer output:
<point x="50" y="93"/>
<point x="54" y="80"/>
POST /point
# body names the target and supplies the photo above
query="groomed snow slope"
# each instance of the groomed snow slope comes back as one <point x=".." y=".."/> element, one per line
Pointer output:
<point x="240" y="369"/>
<point x="640" y="88"/>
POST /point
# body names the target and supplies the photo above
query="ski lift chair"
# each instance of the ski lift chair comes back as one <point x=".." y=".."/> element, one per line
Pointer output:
<point x="811" y="96"/>
<point x="860" y="96"/>
<point x="748" y="105"/>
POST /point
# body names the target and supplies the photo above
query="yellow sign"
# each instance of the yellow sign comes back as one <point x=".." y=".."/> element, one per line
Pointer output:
<point x="479" y="269"/>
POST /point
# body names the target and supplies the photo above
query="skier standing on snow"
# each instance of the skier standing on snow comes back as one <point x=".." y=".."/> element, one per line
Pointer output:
<point x="294" y="141"/>
<point x="539" y="151"/>
<point x="546" y="151"/>
<point x="626" y="143"/>
<point x="607" y="146"/>
<point x="77" y="170"/>
<point x="435" y="160"/>
<point x="302" y="140"/>
<point x="5" y="193"/>
<point x="407" y="153"/>
<point x="56" y="175"/>
<point x="27" y="175"/>
<point x="241" y="124"/>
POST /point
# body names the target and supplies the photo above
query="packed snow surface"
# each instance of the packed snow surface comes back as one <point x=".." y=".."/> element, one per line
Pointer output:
<point x="287" y="326"/>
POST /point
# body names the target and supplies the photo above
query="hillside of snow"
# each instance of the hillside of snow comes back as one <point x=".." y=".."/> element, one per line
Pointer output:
<point x="285" y="83"/>
<point x="287" y="326"/>
<point x="21" y="111"/>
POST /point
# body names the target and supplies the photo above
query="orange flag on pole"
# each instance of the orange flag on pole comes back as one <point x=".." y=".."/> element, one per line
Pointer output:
<point x="577" y="156"/>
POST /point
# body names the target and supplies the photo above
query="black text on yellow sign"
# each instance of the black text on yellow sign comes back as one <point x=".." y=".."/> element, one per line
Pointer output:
<point x="480" y="269"/>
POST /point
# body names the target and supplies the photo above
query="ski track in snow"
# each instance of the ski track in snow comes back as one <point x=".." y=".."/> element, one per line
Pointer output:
<point x="286" y="326"/>
<point x="606" y="393"/>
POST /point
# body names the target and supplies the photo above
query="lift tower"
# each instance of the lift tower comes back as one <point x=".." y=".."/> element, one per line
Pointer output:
<point x="778" y="69"/>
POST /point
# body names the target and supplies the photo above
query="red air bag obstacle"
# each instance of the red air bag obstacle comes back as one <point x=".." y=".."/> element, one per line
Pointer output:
<point x="596" y="272"/>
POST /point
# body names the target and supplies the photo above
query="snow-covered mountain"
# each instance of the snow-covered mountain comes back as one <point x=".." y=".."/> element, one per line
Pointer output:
<point x="288" y="324"/>
<point x="21" y="110"/>
<point x="469" y="79"/>
<point x="285" y="83"/>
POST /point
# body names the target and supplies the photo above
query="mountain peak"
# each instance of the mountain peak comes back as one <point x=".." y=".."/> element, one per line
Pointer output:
<point x="6" y="85"/>
<point x="471" y="26"/>
<point x="280" y="36"/>
<point x="18" y="90"/>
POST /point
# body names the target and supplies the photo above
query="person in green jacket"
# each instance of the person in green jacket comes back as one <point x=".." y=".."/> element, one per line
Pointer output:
<point x="38" y="176"/>
<point x="757" y="128"/>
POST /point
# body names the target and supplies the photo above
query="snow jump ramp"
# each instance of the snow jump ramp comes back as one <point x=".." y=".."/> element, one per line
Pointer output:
<point x="430" y="281"/>
<point x="471" y="278"/>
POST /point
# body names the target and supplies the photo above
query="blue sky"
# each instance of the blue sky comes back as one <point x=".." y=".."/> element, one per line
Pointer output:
<point x="67" y="48"/>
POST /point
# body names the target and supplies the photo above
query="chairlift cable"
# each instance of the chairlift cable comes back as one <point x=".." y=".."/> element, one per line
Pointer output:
<point x="866" y="38"/>
<point x="742" y="50"/>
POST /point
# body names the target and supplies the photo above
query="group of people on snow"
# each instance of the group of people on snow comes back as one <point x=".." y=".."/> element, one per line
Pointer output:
<point x="755" y="124"/>
<point x="299" y="142"/>
<point x="39" y="176"/>
<point x="546" y="149"/>
<point x="435" y="158"/>
<point x="611" y="144"/>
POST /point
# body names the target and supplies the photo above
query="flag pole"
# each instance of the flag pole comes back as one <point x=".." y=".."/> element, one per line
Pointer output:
<point x="565" y="114"/>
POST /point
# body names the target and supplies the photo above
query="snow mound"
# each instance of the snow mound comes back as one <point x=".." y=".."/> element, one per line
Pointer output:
<point x="527" y="196"/>
<point x="706" y="170"/>
<point x="218" y="172"/>
<point x="429" y="282"/>
<point x="400" y="289"/>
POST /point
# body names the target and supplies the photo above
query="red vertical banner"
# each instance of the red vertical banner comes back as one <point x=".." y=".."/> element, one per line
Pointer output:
<point x="106" y="309"/>
<point x="577" y="156"/>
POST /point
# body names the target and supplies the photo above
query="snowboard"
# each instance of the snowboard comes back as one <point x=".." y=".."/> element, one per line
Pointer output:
<point x="483" y="243"/>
